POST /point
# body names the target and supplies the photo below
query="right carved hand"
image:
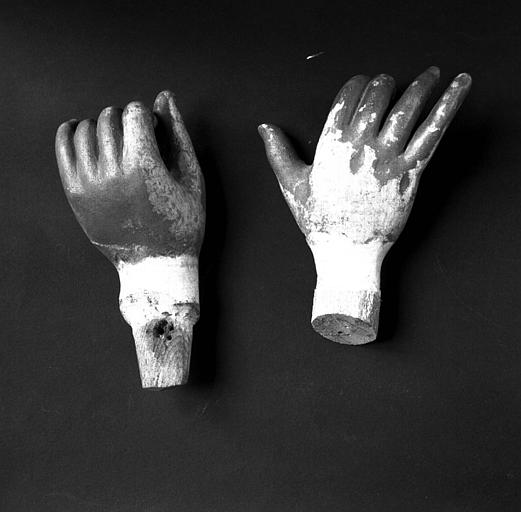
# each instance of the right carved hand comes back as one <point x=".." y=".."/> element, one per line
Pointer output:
<point x="353" y="201"/>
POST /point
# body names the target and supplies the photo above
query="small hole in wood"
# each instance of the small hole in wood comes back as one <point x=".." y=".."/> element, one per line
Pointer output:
<point x="160" y="327"/>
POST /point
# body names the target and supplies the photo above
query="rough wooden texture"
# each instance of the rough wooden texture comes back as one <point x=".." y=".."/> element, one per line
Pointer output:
<point x="163" y="347"/>
<point x="353" y="201"/>
<point x="134" y="184"/>
<point x="159" y="298"/>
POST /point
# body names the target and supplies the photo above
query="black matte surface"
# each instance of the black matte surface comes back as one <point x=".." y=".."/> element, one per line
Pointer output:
<point x="274" y="418"/>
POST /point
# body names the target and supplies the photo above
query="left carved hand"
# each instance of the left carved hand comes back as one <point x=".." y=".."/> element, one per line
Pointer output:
<point x="138" y="193"/>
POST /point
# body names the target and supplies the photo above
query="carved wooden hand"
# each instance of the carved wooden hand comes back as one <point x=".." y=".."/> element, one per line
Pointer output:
<point x="354" y="200"/>
<point x="134" y="184"/>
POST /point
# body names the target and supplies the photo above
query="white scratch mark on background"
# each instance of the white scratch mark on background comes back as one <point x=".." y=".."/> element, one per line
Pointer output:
<point x="312" y="56"/>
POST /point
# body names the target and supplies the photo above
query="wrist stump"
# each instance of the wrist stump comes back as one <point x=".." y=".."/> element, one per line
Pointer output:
<point x="159" y="299"/>
<point x="346" y="302"/>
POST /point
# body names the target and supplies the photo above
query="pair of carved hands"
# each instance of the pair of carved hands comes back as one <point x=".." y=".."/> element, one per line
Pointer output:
<point x="135" y="186"/>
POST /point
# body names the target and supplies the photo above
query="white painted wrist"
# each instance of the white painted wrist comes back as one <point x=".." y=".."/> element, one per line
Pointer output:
<point x="346" y="303"/>
<point x="154" y="285"/>
<point x="159" y="299"/>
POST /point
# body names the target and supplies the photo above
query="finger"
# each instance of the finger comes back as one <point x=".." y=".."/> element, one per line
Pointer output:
<point x="372" y="106"/>
<point x="85" y="145"/>
<point x="110" y="139"/>
<point x="65" y="156"/>
<point x="174" y="141"/>
<point x="282" y="157"/>
<point x="139" y="140"/>
<point x="400" y="122"/>
<point x="344" y="105"/>
<point x="430" y="132"/>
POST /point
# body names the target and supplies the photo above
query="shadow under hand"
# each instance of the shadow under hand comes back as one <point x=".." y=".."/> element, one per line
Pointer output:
<point x="203" y="365"/>
<point x="454" y="162"/>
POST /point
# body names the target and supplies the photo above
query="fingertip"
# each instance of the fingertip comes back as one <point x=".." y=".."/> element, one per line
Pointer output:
<point x="354" y="81"/>
<point x="264" y="129"/>
<point x="463" y="80"/>
<point x="426" y="81"/>
<point x="71" y="123"/>
<point x="136" y="109"/>
<point x="269" y="131"/>
<point x="137" y="121"/>
<point x="429" y="78"/>
<point x="352" y="89"/>
<point x="458" y="89"/>
<point x="85" y="143"/>
<point x="380" y="86"/>
<point x="84" y="127"/>
<point x="110" y="137"/>
<point x="64" y="147"/>
<point x="432" y="129"/>
<point x="371" y="107"/>
<point x="383" y="79"/>
<point x="139" y="135"/>
<point x="166" y="109"/>
<point x="163" y="97"/>
<point x="135" y="106"/>
<point x="109" y="112"/>
<point x="109" y="121"/>
<point x="434" y="70"/>
<point x="65" y="131"/>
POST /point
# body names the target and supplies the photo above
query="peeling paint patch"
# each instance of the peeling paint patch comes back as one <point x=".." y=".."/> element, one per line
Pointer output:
<point x="404" y="183"/>
<point x="175" y="204"/>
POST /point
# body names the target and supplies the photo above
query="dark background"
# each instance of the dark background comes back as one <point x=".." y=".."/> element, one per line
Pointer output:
<point x="274" y="416"/>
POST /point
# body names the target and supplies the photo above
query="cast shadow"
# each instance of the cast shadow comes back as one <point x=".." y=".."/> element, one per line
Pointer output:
<point x="454" y="164"/>
<point x="204" y="359"/>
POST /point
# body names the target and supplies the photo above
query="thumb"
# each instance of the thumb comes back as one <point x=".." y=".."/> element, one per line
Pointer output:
<point x="176" y="143"/>
<point x="281" y="155"/>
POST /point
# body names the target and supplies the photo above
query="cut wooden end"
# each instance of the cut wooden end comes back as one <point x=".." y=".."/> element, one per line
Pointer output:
<point x="344" y="329"/>
<point x="346" y="302"/>
<point x="352" y="318"/>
